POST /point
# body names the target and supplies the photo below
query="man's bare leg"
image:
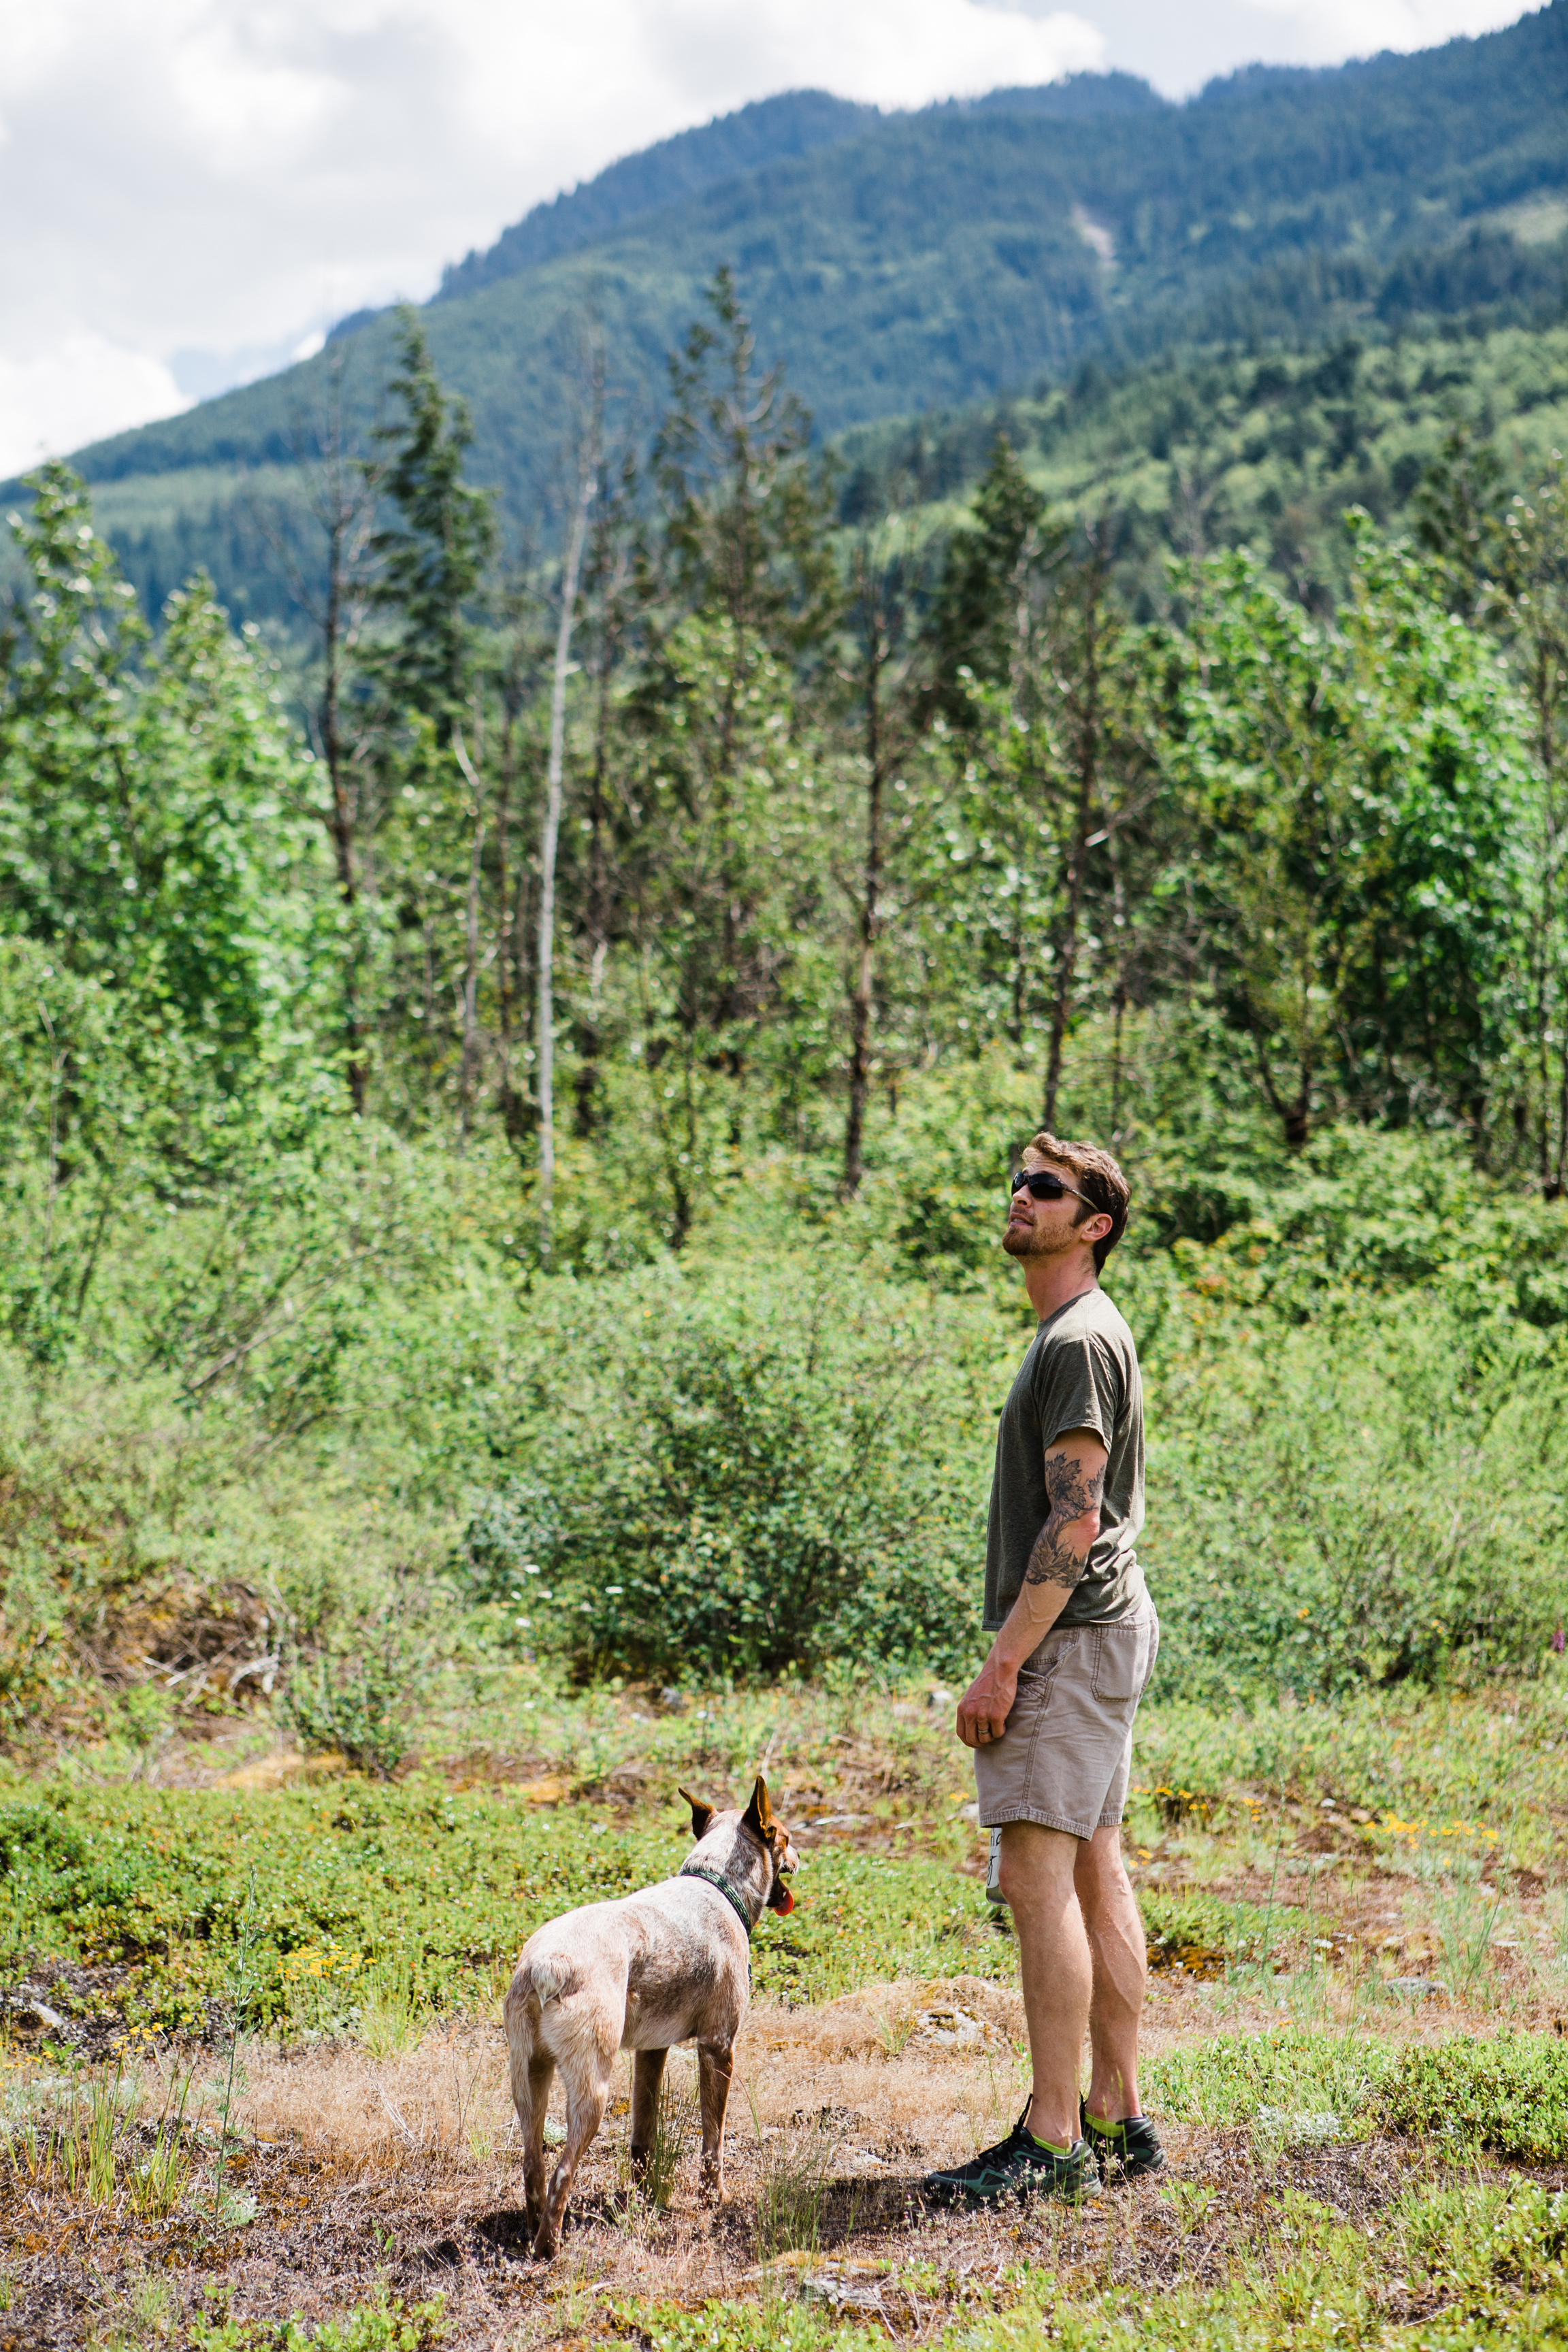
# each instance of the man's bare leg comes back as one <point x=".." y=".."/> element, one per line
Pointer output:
<point x="1055" y="1975"/>
<point x="1116" y="1943"/>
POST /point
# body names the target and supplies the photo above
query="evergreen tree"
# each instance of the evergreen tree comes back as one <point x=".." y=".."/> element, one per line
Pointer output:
<point x="981" y="617"/>
<point x="432" y="559"/>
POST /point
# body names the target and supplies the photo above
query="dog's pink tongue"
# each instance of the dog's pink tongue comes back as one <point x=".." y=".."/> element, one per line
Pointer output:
<point x="786" y="1903"/>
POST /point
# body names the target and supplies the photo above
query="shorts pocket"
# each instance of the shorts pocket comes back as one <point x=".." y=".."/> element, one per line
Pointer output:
<point x="1042" y="1665"/>
<point x="1124" y="1658"/>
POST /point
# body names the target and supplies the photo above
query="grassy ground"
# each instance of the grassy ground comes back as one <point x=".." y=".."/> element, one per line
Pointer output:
<point x="1361" y="1945"/>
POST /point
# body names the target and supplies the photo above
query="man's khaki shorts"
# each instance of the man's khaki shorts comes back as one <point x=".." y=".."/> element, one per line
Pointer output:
<point x="1066" y="1756"/>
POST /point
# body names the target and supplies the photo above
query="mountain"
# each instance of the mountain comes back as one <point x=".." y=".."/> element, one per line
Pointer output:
<point x="762" y="133"/>
<point x="906" y="263"/>
<point x="736" y="143"/>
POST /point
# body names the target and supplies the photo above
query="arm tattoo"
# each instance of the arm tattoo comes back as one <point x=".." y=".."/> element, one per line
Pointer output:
<point x="1073" y="1495"/>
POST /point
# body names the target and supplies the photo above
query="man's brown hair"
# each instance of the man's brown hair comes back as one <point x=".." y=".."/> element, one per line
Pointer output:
<point x="1105" y="1187"/>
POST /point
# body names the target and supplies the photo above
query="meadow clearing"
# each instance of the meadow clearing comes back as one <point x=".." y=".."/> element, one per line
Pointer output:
<point x="255" y="2092"/>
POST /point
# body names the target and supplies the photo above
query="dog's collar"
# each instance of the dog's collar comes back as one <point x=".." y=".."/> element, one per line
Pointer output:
<point x="717" y="1878"/>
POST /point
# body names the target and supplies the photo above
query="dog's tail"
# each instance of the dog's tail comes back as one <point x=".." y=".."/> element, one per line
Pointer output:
<point x="534" y="1986"/>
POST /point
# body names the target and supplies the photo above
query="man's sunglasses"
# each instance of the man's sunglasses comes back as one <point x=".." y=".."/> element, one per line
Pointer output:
<point x="1044" y="1184"/>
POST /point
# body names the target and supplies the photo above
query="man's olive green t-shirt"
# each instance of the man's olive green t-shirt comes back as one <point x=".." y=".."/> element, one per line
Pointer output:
<point x="1081" y="1373"/>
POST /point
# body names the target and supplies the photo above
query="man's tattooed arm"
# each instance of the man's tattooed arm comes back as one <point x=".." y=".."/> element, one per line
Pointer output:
<point x="1075" y="1480"/>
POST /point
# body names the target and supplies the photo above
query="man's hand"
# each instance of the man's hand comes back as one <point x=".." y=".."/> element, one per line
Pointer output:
<point x="1075" y="1476"/>
<point x="985" y="1706"/>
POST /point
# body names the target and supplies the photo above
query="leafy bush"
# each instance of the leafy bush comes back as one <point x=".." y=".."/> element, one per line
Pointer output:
<point x="729" y="1474"/>
<point x="1231" y="2081"/>
<point x="1365" y="1498"/>
<point x="1511" y="2095"/>
<point x="361" y="1707"/>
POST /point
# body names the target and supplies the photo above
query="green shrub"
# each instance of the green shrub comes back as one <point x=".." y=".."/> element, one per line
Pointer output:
<point x="1511" y="2096"/>
<point x="361" y="1707"/>
<point x="1233" y="2080"/>
<point x="729" y="1473"/>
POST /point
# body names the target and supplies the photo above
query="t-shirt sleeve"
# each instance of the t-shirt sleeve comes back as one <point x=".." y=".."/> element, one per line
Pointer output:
<point x="1079" y="1387"/>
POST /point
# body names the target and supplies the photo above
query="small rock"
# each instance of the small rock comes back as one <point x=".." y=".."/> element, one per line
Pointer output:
<point x="950" y="2029"/>
<point x="839" y="2295"/>
<point x="38" y="2012"/>
<point x="940" y="1700"/>
<point x="1415" y="1988"/>
<point x="672" y="1701"/>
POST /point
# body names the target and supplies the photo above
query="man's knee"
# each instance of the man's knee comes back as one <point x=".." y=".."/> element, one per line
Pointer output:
<point x="1035" y="1862"/>
<point x="1099" y="1873"/>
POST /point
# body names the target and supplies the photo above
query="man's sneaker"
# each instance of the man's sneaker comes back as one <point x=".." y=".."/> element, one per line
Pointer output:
<point x="1016" y="2166"/>
<point x="1132" y="2148"/>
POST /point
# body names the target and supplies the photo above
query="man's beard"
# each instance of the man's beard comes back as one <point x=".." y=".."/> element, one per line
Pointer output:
<point x="1028" y="1240"/>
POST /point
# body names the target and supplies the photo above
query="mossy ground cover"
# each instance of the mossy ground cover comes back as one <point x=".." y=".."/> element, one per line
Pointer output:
<point x="1355" y="2035"/>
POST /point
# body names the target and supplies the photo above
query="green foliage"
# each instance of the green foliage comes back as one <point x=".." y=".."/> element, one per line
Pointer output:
<point x="1408" y="1565"/>
<point x="1269" y="899"/>
<point x="938" y="258"/>
<point x="433" y="557"/>
<point x="988" y="566"/>
<point x="157" y="935"/>
<point x="1509" y="2095"/>
<point x="146" y="837"/>
<point x="362" y="1707"/>
<point x="1226" y="2082"/>
<point x="375" y="1905"/>
<point x="1358" y="840"/>
<point x="741" y="1476"/>
<point x="386" y="2323"/>
<point x="1259" y="446"/>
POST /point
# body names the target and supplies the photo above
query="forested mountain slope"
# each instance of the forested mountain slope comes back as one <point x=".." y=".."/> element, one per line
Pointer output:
<point x="940" y="258"/>
<point x="792" y="124"/>
<point x="1205" y="449"/>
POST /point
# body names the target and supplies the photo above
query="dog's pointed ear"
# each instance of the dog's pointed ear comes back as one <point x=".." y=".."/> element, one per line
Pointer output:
<point x="759" y="1813"/>
<point x="701" y="1814"/>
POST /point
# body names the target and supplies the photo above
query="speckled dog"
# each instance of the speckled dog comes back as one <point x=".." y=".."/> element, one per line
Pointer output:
<point x="671" y="1964"/>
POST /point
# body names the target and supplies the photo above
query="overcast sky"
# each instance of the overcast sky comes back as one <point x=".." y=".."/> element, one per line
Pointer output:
<point x="194" y="189"/>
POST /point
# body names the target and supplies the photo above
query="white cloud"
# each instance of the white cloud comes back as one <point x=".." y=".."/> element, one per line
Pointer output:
<point x="82" y="387"/>
<point x="210" y="182"/>
<point x="1179" y="49"/>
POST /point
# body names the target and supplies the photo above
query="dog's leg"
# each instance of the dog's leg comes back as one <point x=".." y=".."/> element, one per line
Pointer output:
<point x="541" y="2075"/>
<point x="588" y="2080"/>
<point x="531" y="2069"/>
<point x="714" y="2071"/>
<point x="647" y="2074"/>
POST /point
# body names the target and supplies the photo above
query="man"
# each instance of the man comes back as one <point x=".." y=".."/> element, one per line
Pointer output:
<point x="1050" y="1714"/>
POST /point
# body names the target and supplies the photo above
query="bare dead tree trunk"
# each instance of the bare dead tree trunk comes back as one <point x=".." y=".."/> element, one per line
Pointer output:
<point x="545" y="1039"/>
<point x="503" y="962"/>
<point x="870" y="913"/>
<point x="1085" y="761"/>
<point x="342" y="492"/>
<point x="612" y="572"/>
<point x="472" y="772"/>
